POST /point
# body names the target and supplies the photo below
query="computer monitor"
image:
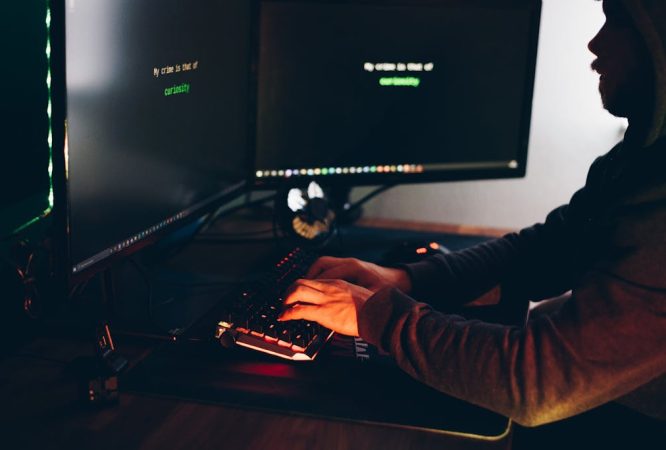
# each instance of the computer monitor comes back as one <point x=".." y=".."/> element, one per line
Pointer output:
<point x="151" y="112"/>
<point x="394" y="91"/>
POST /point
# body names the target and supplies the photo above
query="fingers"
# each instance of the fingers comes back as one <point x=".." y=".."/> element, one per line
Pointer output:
<point x="345" y="272"/>
<point x="305" y="291"/>
<point x="331" y="303"/>
<point x="322" y="264"/>
<point x="321" y="285"/>
<point x="300" y="311"/>
<point x="330" y="268"/>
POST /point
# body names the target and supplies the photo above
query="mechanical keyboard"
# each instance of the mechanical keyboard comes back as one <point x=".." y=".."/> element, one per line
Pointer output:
<point x="251" y="319"/>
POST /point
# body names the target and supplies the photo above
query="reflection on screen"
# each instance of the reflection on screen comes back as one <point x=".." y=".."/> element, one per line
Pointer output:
<point x="157" y="94"/>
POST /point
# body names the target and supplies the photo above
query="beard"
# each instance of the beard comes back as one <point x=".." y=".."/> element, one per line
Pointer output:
<point x="631" y="99"/>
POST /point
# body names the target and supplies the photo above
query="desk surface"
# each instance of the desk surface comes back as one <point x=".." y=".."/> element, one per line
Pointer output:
<point x="40" y="411"/>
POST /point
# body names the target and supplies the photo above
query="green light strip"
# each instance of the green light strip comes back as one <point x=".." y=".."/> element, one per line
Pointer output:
<point x="49" y="107"/>
<point x="49" y="112"/>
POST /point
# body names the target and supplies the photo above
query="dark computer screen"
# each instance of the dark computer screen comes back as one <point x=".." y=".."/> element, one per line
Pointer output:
<point x="157" y="116"/>
<point x="402" y="90"/>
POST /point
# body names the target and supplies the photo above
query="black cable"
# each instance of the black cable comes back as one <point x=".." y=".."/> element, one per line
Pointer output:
<point x="210" y="218"/>
<point x="368" y="197"/>
<point x="227" y="212"/>
<point x="207" y="221"/>
<point x="229" y="238"/>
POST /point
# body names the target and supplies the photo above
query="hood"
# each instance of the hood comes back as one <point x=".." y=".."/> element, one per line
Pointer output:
<point x="650" y="18"/>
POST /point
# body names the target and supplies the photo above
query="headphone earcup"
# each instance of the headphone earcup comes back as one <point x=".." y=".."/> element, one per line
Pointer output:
<point x="310" y="225"/>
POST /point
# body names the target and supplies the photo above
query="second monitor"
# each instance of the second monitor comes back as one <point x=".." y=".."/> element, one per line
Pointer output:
<point x="397" y="91"/>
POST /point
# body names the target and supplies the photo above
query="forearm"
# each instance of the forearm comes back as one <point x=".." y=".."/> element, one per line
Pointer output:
<point x="554" y="368"/>
<point x="526" y="266"/>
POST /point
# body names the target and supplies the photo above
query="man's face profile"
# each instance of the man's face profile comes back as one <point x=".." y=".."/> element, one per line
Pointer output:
<point x="623" y="63"/>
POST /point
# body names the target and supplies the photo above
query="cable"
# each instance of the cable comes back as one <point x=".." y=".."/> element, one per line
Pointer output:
<point x="207" y="221"/>
<point x="222" y="213"/>
<point x="368" y="197"/>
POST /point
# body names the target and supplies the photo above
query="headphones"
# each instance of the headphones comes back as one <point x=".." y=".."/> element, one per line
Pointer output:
<point x="304" y="213"/>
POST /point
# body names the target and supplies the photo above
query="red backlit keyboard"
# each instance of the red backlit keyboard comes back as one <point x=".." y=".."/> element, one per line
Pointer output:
<point x="251" y="321"/>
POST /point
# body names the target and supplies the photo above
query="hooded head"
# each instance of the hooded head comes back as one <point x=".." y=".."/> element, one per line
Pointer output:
<point x="632" y="63"/>
<point x="650" y="19"/>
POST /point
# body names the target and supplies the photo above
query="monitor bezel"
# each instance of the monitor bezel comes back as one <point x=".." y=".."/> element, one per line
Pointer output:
<point x="60" y="230"/>
<point x="427" y="176"/>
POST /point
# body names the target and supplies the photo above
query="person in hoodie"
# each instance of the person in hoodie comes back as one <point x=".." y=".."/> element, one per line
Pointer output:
<point x="604" y="253"/>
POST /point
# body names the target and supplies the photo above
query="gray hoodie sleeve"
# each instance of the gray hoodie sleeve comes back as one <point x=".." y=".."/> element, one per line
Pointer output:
<point x="451" y="280"/>
<point x="606" y="341"/>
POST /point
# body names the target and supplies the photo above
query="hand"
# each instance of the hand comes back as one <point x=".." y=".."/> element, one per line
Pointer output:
<point x="365" y="274"/>
<point x="332" y="303"/>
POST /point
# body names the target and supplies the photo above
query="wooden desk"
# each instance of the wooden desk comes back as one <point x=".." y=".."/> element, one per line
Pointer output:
<point x="40" y="411"/>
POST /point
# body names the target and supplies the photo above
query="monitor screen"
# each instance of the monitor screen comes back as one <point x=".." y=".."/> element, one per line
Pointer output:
<point x="157" y="95"/>
<point x="403" y="91"/>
